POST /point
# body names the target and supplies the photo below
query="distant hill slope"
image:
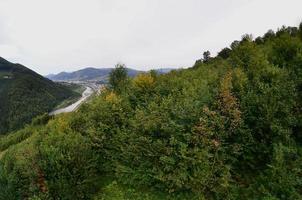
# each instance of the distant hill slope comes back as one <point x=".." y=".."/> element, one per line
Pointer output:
<point x="164" y="70"/>
<point x="87" y="74"/>
<point x="25" y="94"/>
<point x="96" y="74"/>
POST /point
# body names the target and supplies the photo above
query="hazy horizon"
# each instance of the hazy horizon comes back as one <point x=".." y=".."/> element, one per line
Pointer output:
<point x="52" y="36"/>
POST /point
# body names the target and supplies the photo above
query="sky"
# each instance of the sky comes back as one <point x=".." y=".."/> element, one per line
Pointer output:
<point x="50" y="36"/>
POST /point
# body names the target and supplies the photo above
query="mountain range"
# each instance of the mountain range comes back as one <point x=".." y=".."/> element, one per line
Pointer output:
<point x="95" y="74"/>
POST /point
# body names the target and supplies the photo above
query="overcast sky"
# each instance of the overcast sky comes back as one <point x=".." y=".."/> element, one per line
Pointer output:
<point x="50" y="36"/>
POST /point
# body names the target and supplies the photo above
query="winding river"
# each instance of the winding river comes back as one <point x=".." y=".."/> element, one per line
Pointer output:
<point x="87" y="93"/>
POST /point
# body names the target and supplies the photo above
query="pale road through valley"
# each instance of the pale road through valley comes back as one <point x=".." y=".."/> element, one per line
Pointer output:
<point x="87" y="93"/>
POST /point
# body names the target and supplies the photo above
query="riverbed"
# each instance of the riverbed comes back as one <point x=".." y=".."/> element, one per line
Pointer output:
<point x="87" y="93"/>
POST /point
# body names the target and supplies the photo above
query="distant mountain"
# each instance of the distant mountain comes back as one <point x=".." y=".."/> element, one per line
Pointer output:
<point x="96" y="74"/>
<point x="88" y="74"/>
<point x="25" y="94"/>
<point x="164" y="70"/>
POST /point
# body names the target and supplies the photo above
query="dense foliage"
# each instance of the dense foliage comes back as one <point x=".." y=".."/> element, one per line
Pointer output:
<point x="25" y="95"/>
<point x="228" y="128"/>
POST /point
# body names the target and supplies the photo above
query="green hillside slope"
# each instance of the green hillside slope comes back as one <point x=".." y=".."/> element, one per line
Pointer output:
<point x="24" y="94"/>
<point x="228" y="128"/>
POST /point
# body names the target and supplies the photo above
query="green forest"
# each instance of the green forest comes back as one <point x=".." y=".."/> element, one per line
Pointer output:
<point x="25" y="94"/>
<point x="230" y="127"/>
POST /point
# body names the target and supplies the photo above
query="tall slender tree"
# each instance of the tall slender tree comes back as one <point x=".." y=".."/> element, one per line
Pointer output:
<point x="118" y="77"/>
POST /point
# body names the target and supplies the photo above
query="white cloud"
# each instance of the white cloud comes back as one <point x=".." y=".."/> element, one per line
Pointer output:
<point x="55" y="35"/>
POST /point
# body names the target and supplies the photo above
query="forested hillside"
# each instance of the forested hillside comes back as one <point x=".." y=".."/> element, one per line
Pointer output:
<point x="228" y="128"/>
<point x="24" y="94"/>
